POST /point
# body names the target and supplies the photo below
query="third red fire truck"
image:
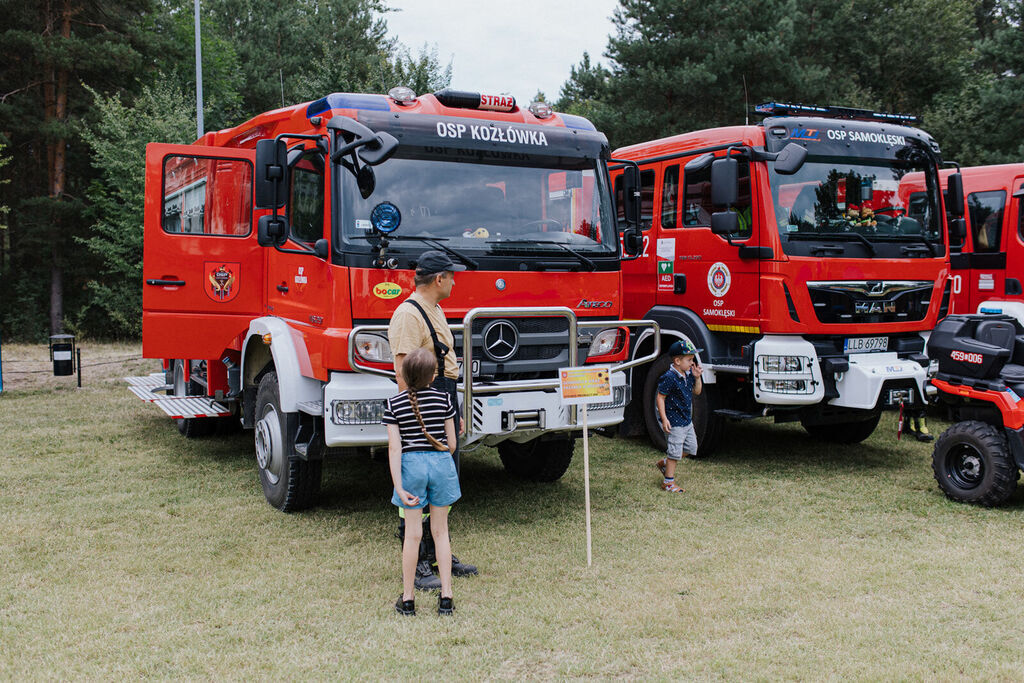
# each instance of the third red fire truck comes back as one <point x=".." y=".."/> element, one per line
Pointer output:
<point x="787" y="254"/>
<point x="276" y="252"/>
<point x="987" y="246"/>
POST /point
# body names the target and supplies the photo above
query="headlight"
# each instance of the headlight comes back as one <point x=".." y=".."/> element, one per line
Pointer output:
<point x="785" y="386"/>
<point x="373" y="346"/>
<point x="606" y="341"/>
<point x="357" y="412"/>
<point x="781" y="364"/>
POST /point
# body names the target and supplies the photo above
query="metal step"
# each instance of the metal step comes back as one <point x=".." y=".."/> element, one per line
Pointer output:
<point x="315" y="408"/>
<point x="191" y="406"/>
<point x="146" y="387"/>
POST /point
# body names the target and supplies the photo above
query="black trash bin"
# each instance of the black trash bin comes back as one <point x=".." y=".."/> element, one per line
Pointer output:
<point x="62" y="353"/>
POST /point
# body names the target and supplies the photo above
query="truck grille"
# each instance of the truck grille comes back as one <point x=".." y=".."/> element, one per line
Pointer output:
<point x="870" y="301"/>
<point x="539" y="346"/>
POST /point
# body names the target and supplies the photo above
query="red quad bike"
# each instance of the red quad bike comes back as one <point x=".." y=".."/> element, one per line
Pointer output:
<point x="981" y="380"/>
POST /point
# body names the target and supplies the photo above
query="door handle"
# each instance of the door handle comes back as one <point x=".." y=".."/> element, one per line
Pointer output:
<point x="166" y="283"/>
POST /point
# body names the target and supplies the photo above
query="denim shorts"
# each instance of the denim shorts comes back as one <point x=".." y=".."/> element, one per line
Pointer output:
<point x="682" y="440"/>
<point x="431" y="476"/>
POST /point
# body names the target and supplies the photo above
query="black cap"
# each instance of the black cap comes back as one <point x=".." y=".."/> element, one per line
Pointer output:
<point x="435" y="261"/>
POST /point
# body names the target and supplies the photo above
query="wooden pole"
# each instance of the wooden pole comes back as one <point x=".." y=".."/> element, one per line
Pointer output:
<point x="586" y="483"/>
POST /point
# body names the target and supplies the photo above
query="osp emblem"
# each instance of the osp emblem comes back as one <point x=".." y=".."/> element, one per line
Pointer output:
<point x="719" y="279"/>
<point x="501" y="340"/>
<point x="221" y="280"/>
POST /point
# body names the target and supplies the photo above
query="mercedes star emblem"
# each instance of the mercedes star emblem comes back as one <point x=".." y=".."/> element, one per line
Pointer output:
<point x="501" y="340"/>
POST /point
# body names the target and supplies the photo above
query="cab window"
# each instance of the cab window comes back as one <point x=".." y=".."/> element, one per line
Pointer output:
<point x="204" y="196"/>
<point x="306" y="204"/>
<point x="986" y="213"/>
<point x="670" y="196"/>
<point x="697" y="206"/>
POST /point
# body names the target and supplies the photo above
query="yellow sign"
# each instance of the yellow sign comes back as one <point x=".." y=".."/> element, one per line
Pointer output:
<point x="585" y="384"/>
<point x="387" y="290"/>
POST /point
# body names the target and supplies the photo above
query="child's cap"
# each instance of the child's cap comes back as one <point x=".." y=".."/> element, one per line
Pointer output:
<point x="682" y="348"/>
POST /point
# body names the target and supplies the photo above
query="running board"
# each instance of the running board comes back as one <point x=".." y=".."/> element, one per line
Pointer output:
<point x="178" y="407"/>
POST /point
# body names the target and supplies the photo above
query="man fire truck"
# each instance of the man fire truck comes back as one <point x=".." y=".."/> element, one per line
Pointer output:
<point x="784" y="252"/>
<point x="276" y="251"/>
<point x="987" y="245"/>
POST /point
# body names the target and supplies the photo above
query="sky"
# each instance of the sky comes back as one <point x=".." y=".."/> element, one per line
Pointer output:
<point x="514" y="47"/>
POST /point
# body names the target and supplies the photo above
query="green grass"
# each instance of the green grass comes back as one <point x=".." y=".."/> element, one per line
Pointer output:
<point x="128" y="551"/>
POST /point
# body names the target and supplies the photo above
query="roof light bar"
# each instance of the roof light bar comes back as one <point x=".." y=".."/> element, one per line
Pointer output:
<point x="831" y="112"/>
<point x="460" y="99"/>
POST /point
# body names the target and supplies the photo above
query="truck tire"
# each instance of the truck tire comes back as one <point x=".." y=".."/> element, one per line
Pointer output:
<point x="972" y="464"/>
<point x="288" y="482"/>
<point x="190" y="427"/>
<point x="537" y="460"/>
<point x="844" y="432"/>
<point x="707" y="425"/>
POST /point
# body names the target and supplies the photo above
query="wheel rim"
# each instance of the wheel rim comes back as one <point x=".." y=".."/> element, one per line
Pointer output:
<point x="269" y="451"/>
<point x="965" y="466"/>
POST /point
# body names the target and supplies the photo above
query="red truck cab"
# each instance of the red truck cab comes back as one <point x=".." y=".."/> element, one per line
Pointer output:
<point x="787" y="254"/>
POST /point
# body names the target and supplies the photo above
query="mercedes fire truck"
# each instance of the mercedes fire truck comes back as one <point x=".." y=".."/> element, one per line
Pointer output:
<point x="787" y="254"/>
<point x="275" y="253"/>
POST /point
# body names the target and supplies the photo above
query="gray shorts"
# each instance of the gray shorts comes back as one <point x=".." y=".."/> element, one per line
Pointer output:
<point x="682" y="440"/>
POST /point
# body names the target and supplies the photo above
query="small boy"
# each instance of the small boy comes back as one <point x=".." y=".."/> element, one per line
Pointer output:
<point x="676" y="389"/>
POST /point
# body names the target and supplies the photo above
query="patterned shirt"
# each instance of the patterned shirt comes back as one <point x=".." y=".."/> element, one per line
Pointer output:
<point x="435" y="407"/>
<point x="678" y="392"/>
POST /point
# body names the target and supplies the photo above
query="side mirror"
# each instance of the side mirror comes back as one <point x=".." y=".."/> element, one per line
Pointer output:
<point x="271" y="181"/>
<point x="379" y="149"/>
<point x="724" y="181"/>
<point x="957" y="231"/>
<point x="725" y="223"/>
<point x="790" y="159"/>
<point x="322" y="248"/>
<point x="271" y="231"/>
<point x="631" y="196"/>
<point x="632" y="242"/>
<point x="698" y="163"/>
<point x="955" y="194"/>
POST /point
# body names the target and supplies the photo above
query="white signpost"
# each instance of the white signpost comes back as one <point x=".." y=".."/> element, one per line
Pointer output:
<point x="581" y="386"/>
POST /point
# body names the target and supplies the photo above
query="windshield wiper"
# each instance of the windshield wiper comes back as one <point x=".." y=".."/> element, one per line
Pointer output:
<point x="844" y="236"/>
<point x="433" y="241"/>
<point x="582" y="259"/>
<point x="917" y="238"/>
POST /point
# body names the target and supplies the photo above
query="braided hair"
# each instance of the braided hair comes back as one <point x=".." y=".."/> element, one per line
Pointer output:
<point x="418" y="370"/>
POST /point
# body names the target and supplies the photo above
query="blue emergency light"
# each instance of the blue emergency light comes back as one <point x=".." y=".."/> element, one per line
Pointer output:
<point x="832" y="112"/>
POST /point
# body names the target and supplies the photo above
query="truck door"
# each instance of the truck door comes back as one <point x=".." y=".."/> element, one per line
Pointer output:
<point x="986" y="276"/>
<point x="202" y="268"/>
<point x="299" y="285"/>
<point x="1014" y="240"/>
<point x="638" y="274"/>
<point x="708" y="275"/>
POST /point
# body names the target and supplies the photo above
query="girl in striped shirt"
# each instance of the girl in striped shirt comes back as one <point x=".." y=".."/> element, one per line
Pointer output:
<point x="421" y="440"/>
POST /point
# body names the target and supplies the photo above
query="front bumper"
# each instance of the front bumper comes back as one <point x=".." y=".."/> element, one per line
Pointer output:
<point x="353" y="403"/>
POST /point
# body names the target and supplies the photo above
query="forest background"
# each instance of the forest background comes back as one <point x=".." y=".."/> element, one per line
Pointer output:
<point x="85" y="84"/>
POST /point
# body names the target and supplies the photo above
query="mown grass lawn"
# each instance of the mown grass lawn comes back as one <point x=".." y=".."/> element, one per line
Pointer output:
<point x="128" y="551"/>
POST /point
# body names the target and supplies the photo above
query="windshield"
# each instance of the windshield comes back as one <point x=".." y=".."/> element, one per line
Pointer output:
<point x="860" y="204"/>
<point x="486" y="202"/>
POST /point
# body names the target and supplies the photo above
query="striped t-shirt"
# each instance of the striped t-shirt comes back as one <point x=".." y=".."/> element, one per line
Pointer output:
<point x="435" y="407"/>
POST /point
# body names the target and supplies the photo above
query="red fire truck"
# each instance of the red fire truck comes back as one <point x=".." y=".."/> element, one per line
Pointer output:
<point x="986" y="246"/>
<point x="276" y="251"/>
<point x="786" y="253"/>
